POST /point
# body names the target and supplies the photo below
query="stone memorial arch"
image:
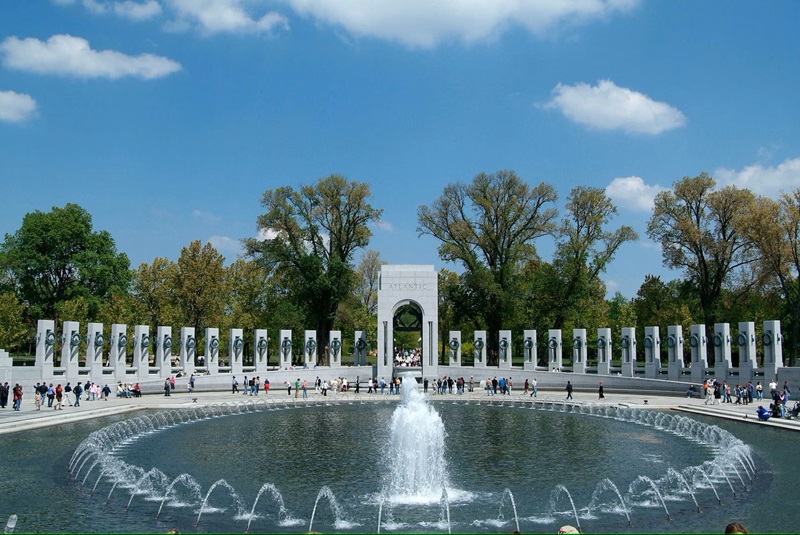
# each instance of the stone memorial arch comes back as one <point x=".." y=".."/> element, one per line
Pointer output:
<point x="408" y="301"/>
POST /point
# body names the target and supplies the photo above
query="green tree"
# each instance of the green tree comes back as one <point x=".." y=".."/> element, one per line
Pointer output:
<point x="154" y="292"/>
<point x="199" y="286"/>
<point x="311" y="236"/>
<point x="660" y="304"/>
<point x="774" y="227"/>
<point x="368" y="274"/>
<point x="56" y="256"/>
<point x="489" y="226"/>
<point x="14" y="332"/>
<point x="703" y="232"/>
<point x="584" y="248"/>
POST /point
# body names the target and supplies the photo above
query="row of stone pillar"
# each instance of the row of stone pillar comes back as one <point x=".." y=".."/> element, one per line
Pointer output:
<point x="697" y="343"/>
<point x="95" y="364"/>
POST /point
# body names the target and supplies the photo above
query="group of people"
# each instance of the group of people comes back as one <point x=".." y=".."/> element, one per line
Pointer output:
<point x="54" y="396"/>
<point x="408" y="358"/>
<point x="15" y="393"/>
<point x="493" y="386"/>
<point x="128" y="390"/>
<point x="250" y="387"/>
<point x="780" y="400"/>
<point x="445" y="385"/>
<point x="717" y="392"/>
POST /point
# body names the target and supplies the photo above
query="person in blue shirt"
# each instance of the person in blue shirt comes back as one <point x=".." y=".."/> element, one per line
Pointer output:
<point x="763" y="414"/>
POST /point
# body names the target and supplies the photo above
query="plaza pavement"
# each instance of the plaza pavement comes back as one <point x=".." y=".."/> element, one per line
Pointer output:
<point x="29" y="418"/>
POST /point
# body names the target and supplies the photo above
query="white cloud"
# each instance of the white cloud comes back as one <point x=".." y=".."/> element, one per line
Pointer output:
<point x="137" y="10"/>
<point x="649" y="244"/>
<point x="267" y="234"/>
<point x="609" y="107"/>
<point x="384" y="225"/>
<point x="16" y="107"/>
<point x="227" y="246"/>
<point x="72" y="56"/>
<point x="216" y="16"/>
<point x="206" y="217"/>
<point x="631" y="192"/>
<point x="763" y="180"/>
<point x="130" y="9"/>
<point x="425" y="23"/>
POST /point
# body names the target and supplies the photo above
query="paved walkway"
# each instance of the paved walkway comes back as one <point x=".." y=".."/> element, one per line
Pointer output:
<point x="29" y="418"/>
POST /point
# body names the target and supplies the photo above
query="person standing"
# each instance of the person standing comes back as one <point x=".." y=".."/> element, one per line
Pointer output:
<point x="17" y="393"/>
<point x="600" y="391"/>
<point x="4" y="391"/>
<point x="234" y="385"/>
<point x="569" y="390"/>
<point x="191" y="383"/>
<point x="533" y="388"/>
<point x="59" y="397"/>
<point x="166" y="388"/>
<point x="37" y="399"/>
<point x="305" y="388"/>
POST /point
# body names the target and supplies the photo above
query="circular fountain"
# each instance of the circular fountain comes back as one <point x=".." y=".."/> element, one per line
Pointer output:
<point x="417" y="466"/>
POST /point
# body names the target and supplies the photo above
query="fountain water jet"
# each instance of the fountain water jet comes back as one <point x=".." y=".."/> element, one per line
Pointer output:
<point x="674" y="473"/>
<point x="283" y="514"/>
<point x="507" y="492"/>
<point x="655" y="490"/>
<point x="608" y="484"/>
<point x="188" y="481"/>
<point x="415" y="452"/>
<point x="220" y="482"/>
<point x="335" y="508"/>
<point x="554" y="496"/>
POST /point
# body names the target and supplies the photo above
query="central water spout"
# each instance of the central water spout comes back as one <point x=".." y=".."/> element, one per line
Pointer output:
<point x="416" y="468"/>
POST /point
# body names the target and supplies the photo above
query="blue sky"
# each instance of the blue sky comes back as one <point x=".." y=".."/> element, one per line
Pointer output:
<point x="167" y="119"/>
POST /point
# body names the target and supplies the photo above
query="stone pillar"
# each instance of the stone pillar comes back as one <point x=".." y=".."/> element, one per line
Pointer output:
<point x="310" y="349"/>
<point x="604" y="353"/>
<point x="652" y="352"/>
<point x="70" y="343"/>
<point x="360" y="348"/>
<point x="188" y="350"/>
<point x="45" y="347"/>
<point x="746" y="340"/>
<point x="7" y="368"/>
<point x="628" y="345"/>
<point x="505" y="351"/>
<point x="141" y="351"/>
<point x="722" y="350"/>
<point x="479" y="347"/>
<point x="236" y="351"/>
<point x="454" y="344"/>
<point x="285" y="348"/>
<point x="164" y="351"/>
<point x="335" y="349"/>
<point x="773" y="348"/>
<point x="579" y="352"/>
<point x="555" y="358"/>
<point x="94" y="350"/>
<point x="212" y="350"/>
<point x="529" y="349"/>
<point x="118" y="352"/>
<point x="675" y="352"/>
<point x="260" y="351"/>
<point x="697" y="348"/>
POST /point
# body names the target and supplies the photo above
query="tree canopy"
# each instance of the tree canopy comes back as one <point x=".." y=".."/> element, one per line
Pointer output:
<point x="57" y="256"/>
<point x="310" y="235"/>
<point x="702" y="231"/>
